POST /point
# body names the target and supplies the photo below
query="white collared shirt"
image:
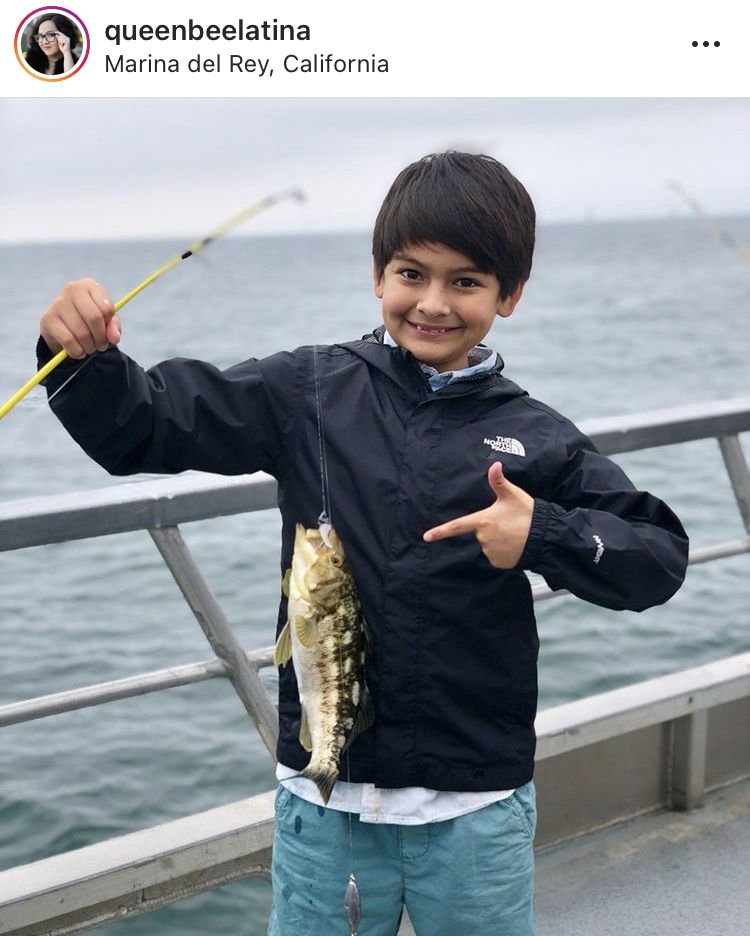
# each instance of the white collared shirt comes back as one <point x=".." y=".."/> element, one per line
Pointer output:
<point x="404" y="806"/>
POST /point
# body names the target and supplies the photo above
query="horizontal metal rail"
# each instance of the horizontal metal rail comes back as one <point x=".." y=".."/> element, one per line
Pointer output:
<point x="136" y="505"/>
<point x="111" y="691"/>
<point x="620" y="711"/>
<point x="166" y="502"/>
<point x="142" y="871"/>
<point x="67" y="701"/>
<point x="613" y="435"/>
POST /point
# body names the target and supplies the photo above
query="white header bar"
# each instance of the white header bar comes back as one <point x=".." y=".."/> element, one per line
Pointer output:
<point x="389" y="49"/>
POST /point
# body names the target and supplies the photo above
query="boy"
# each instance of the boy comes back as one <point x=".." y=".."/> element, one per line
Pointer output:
<point x="438" y="533"/>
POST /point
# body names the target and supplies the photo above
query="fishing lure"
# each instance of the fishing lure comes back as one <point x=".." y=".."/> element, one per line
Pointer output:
<point x="352" y="905"/>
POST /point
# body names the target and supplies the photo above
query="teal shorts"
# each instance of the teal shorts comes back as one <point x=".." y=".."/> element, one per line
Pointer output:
<point x="472" y="874"/>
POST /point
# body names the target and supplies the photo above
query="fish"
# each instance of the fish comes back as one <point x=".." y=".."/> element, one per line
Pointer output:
<point x="327" y="640"/>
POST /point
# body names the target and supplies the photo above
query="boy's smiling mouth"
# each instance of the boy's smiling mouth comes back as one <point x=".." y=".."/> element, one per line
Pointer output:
<point x="424" y="329"/>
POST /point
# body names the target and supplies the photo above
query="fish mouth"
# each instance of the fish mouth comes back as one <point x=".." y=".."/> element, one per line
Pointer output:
<point x="305" y="545"/>
<point x="311" y="542"/>
<point x="312" y="546"/>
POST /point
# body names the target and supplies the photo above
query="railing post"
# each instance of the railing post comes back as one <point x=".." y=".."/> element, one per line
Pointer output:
<point x="739" y="475"/>
<point x="689" y="759"/>
<point x="242" y="674"/>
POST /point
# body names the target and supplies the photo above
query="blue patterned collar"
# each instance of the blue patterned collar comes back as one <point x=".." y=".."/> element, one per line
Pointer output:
<point x="480" y="357"/>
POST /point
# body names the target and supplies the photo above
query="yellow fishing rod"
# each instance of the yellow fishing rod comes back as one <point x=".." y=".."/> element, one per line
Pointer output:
<point x="233" y="222"/>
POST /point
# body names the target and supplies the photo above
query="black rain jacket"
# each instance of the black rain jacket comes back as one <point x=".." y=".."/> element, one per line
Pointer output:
<point x="453" y="675"/>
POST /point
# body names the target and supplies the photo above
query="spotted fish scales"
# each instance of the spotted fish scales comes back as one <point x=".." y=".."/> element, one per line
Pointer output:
<point x="326" y="638"/>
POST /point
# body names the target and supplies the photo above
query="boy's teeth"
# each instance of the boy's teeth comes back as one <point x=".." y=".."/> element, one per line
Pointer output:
<point x="438" y="330"/>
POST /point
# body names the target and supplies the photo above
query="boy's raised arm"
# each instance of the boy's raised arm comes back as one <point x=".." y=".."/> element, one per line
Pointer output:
<point x="181" y="414"/>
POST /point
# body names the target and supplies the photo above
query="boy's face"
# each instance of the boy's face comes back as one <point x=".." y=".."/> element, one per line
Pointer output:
<point x="438" y="305"/>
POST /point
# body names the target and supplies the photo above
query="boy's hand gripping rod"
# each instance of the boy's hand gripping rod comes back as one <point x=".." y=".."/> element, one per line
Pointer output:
<point x="178" y="258"/>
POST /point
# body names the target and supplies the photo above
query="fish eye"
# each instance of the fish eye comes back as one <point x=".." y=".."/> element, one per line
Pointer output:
<point x="337" y="559"/>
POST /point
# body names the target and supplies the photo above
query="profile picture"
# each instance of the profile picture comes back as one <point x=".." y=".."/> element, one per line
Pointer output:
<point x="52" y="43"/>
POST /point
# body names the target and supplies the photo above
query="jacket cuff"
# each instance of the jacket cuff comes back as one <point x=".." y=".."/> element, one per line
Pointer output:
<point x="537" y="534"/>
<point x="44" y="355"/>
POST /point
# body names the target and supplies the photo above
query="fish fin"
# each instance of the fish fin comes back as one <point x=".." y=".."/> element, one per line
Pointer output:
<point x="285" y="582"/>
<point x="306" y="630"/>
<point x="368" y="638"/>
<point x="364" y="718"/>
<point x="299" y="582"/>
<point x="324" y="780"/>
<point x="305" y="738"/>
<point x="283" y="651"/>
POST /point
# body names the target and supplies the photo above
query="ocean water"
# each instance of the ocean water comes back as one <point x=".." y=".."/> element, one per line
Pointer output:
<point x="617" y="318"/>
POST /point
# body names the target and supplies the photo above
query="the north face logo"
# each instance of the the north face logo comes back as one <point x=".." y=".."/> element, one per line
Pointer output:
<point x="503" y="444"/>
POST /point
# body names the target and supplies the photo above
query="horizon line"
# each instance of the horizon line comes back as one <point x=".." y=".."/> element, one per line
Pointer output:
<point x="334" y="232"/>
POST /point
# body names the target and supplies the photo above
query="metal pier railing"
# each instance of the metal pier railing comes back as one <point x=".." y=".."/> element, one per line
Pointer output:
<point x="679" y="727"/>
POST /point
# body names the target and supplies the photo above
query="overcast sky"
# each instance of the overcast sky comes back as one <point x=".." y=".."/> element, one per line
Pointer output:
<point x="107" y="168"/>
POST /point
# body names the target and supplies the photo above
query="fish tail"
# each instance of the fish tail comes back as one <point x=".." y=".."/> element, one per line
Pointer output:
<point x="324" y="779"/>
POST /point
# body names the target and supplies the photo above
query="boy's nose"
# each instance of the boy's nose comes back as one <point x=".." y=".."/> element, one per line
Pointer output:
<point x="433" y="302"/>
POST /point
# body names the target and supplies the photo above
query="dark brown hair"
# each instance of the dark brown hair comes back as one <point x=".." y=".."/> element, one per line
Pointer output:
<point x="471" y="203"/>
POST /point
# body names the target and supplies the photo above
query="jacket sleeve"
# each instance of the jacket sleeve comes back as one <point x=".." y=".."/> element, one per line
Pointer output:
<point x="601" y="539"/>
<point x="181" y="414"/>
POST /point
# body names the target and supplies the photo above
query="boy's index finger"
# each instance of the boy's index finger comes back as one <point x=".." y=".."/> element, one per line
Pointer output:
<point x="467" y="524"/>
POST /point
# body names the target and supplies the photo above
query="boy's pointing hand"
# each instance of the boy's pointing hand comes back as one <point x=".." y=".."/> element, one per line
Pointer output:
<point x="501" y="529"/>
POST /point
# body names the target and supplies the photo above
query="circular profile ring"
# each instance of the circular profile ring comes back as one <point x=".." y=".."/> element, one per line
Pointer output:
<point x="29" y="53"/>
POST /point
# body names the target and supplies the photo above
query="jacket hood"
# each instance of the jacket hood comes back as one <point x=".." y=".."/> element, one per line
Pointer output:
<point x="403" y="368"/>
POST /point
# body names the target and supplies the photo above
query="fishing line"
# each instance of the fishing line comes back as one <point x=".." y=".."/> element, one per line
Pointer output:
<point x="75" y="373"/>
<point x="193" y="249"/>
<point x="40" y="402"/>
<point x="352" y="904"/>
<point x="325" y="516"/>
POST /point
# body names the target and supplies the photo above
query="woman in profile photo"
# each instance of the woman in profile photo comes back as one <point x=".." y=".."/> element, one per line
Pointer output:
<point x="51" y="43"/>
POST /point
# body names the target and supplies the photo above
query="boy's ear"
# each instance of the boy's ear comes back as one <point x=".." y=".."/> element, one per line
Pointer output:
<point x="377" y="280"/>
<point x="506" y="306"/>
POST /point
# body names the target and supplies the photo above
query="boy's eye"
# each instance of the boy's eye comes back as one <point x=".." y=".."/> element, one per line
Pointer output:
<point x="466" y="282"/>
<point x="410" y="274"/>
